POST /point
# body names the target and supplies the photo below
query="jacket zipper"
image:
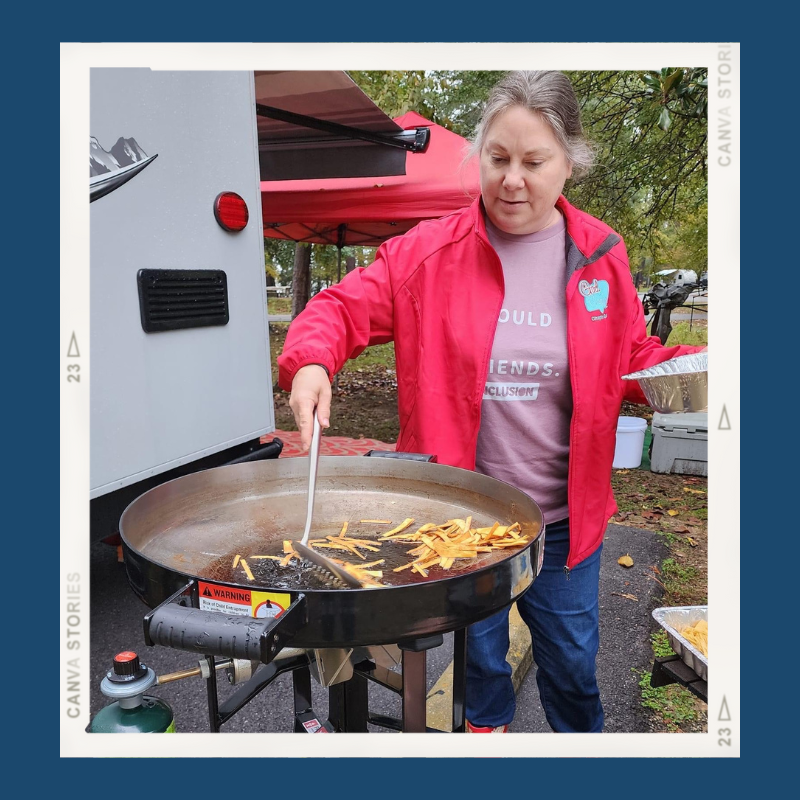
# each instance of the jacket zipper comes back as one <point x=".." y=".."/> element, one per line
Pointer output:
<point x="482" y="376"/>
<point x="572" y="378"/>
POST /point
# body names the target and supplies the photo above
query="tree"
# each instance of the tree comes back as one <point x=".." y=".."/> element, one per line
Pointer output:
<point x="278" y="260"/>
<point x="650" y="132"/>
<point x="301" y="278"/>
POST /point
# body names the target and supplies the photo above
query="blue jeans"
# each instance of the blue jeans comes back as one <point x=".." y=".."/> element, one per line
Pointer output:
<point x="563" y="616"/>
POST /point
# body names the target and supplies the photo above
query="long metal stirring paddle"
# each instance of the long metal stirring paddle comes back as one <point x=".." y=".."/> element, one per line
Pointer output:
<point x="314" y="558"/>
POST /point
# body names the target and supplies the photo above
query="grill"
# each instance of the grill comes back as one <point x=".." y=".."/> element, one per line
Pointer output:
<point x="181" y="539"/>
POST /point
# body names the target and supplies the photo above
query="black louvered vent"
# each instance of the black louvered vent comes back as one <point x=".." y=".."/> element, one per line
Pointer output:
<point x="170" y="299"/>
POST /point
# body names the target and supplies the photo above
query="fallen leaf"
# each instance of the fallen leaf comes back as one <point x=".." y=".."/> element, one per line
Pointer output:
<point x="672" y="513"/>
<point x="625" y="561"/>
<point x="652" y="514"/>
<point x="655" y="569"/>
<point x="626" y="596"/>
<point x="681" y="530"/>
<point x="692" y="542"/>
<point x="623" y="471"/>
<point x="693" y="491"/>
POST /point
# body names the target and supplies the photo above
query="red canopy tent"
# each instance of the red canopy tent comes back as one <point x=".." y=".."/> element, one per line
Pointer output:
<point x="367" y="211"/>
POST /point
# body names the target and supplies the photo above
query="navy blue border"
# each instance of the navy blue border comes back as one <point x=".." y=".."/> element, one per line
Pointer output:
<point x="33" y="256"/>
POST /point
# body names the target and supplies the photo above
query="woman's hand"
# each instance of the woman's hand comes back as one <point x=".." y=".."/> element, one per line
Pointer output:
<point x="311" y="388"/>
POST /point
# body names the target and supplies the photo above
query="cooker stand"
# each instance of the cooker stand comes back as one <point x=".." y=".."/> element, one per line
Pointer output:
<point x="348" y="710"/>
<point x="348" y="701"/>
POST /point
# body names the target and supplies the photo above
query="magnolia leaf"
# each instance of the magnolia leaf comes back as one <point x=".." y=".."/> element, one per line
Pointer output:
<point x="625" y="561"/>
<point x="671" y="80"/>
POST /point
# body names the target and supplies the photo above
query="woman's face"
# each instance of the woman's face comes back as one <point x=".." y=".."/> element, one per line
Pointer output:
<point x="523" y="170"/>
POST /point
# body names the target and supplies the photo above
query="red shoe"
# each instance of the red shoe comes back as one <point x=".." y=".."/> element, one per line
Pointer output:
<point x="473" y="729"/>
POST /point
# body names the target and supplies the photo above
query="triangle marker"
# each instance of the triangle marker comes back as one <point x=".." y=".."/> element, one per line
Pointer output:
<point x="724" y="714"/>
<point x="73" y="351"/>
<point x="724" y="422"/>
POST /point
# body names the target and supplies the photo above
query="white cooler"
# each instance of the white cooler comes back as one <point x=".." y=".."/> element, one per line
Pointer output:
<point x="680" y="443"/>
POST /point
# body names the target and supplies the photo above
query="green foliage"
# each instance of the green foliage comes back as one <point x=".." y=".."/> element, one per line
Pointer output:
<point x="279" y="305"/>
<point x="661" y="645"/>
<point x="650" y="132"/>
<point x="396" y="92"/>
<point x="279" y="260"/>
<point x="681" y="334"/>
<point x="674" y="706"/>
<point x="680" y="582"/>
<point x="379" y="355"/>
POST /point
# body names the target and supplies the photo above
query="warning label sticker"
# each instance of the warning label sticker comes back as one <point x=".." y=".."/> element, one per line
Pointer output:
<point x="231" y="600"/>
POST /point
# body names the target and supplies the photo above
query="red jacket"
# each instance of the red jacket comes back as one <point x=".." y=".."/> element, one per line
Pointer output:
<point x="437" y="292"/>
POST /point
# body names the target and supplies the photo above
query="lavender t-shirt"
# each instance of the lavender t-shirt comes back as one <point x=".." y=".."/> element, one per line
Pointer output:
<point x="527" y="401"/>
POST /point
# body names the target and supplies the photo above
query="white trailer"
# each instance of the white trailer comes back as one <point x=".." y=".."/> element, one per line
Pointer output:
<point x="179" y="333"/>
<point x="180" y="375"/>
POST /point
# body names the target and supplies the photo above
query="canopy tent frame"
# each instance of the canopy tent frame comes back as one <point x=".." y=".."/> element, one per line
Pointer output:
<point x="364" y="212"/>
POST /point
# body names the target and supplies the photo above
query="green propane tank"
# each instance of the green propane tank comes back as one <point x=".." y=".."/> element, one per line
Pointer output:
<point x="133" y="711"/>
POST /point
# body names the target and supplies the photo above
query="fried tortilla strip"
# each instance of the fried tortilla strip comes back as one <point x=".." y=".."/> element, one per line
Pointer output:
<point x="446" y="563"/>
<point x="401" y="527"/>
<point x="343" y="531"/>
<point x="235" y="561"/>
<point x="405" y="566"/>
<point x="376" y="521"/>
<point x="274" y="558"/>
<point x="356" y="542"/>
<point x="419" y="569"/>
<point x="247" y="569"/>
<point x="285" y="561"/>
<point x="346" y="544"/>
<point x="364" y="576"/>
<point x="287" y="547"/>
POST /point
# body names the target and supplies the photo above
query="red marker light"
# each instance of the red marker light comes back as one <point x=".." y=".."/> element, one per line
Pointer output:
<point x="231" y="211"/>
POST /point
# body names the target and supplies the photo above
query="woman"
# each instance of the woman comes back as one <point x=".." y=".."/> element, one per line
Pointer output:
<point x="513" y="322"/>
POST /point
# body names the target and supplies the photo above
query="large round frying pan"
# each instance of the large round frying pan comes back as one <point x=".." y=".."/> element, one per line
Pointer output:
<point x="193" y="527"/>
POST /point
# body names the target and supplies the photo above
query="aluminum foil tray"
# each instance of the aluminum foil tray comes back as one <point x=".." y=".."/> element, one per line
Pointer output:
<point x="674" y="619"/>
<point x="676" y="386"/>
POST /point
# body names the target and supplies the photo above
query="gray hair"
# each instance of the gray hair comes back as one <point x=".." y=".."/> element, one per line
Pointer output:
<point x="550" y="95"/>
